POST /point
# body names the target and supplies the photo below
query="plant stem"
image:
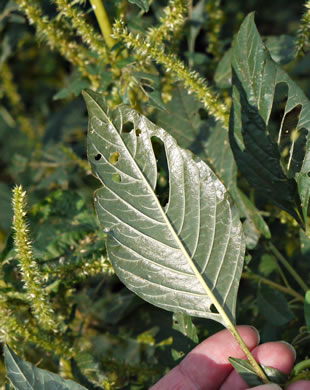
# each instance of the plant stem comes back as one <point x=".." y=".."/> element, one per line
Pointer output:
<point x="288" y="267"/>
<point x="233" y="330"/>
<point x="301" y="366"/>
<point x="277" y="286"/>
<point x="103" y="21"/>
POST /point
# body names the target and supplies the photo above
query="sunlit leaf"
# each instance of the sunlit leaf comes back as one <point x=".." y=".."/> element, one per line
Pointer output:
<point x="177" y="255"/>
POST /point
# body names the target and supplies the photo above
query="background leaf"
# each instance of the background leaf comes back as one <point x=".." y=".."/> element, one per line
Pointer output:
<point x="26" y="376"/>
<point x="166" y="254"/>
<point x="273" y="305"/>
<point x="259" y="153"/>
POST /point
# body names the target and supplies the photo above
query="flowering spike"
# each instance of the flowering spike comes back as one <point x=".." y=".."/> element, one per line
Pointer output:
<point x="29" y="269"/>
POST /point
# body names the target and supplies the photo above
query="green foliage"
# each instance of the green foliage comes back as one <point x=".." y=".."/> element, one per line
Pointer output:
<point x="24" y="375"/>
<point x="173" y="71"/>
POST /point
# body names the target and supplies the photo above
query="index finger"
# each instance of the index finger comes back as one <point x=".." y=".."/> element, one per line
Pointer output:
<point x="207" y="365"/>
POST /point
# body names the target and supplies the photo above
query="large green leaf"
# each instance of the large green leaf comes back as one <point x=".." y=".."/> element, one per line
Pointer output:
<point x="26" y="376"/>
<point x="284" y="179"/>
<point x="182" y="256"/>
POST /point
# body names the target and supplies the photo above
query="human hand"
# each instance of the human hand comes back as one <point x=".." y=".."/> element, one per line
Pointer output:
<point x="206" y="367"/>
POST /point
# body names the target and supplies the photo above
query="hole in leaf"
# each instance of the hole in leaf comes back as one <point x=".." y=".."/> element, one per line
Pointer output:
<point x="116" y="177"/>
<point x="277" y="111"/>
<point x="148" y="88"/>
<point x="114" y="157"/>
<point x="293" y="142"/>
<point x="98" y="157"/>
<point x="203" y="113"/>
<point x="213" y="309"/>
<point x="127" y="127"/>
<point x="162" y="188"/>
<point x="138" y="132"/>
<point x="282" y="128"/>
<point x="308" y="174"/>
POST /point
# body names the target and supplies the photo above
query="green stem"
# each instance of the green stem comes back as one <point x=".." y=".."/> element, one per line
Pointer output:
<point x="301" y="367"/>
<point x="233" y="330"/>
<point x="277" y="286"/>
<point x="288" y="267"/>
<point x="103" y="21"/>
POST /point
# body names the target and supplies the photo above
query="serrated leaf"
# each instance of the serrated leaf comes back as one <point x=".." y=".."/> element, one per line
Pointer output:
<point x="26" y="376"/>
<point x="245" y="370"/>
<point x="143" y="4"/>
<point x="273" y="305"/>
<point x="255" y="77"/>
<point x="178" y="256"/>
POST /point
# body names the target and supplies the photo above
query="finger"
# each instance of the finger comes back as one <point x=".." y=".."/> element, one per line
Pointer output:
<point x="300" y="385"/>
<point x="272" y="386"/>
<point x="207" y="366"/>
<point x="276" y="354"/>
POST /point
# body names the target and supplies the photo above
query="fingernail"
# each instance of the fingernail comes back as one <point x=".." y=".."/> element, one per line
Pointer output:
<point x="257" y="333"/>
<point x="290" y="346"/>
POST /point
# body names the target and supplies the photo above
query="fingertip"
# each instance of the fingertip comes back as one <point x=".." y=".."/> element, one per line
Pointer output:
<point x="271" y="386"/>
<point x="280" y="355"/>
<point x="300" y="385"/>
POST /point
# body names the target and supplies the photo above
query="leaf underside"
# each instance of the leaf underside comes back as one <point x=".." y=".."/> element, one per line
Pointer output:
<point x="169" y="255"/>
<point x="282" y="177"/>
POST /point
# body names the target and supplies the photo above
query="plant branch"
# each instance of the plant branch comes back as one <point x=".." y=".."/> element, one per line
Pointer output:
<point x="286" y="290"/>
<point x="288" y="267"/>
